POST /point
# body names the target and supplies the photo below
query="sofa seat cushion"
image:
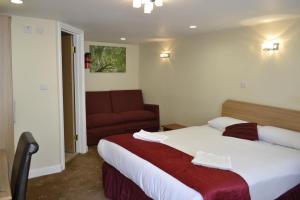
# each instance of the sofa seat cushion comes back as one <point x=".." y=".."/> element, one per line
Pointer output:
<point x="132" y="127"/>
<point x="138" y="115"/>
<point x="103" y="119"/>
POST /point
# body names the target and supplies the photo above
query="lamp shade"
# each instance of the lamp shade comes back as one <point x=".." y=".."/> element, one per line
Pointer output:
<point x="165" y="55"/>
<point x="148" y="7"/>
<point x="148" y="4"/>
<point x="159" y="3"/>
<point x="270" y="45"/>
<point x="137" y="3"/>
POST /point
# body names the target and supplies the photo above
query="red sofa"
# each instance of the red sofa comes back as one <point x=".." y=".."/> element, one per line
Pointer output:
<point x="116" y="112"/>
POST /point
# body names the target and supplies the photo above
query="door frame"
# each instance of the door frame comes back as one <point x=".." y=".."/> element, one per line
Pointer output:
<point x="79" y="81"/>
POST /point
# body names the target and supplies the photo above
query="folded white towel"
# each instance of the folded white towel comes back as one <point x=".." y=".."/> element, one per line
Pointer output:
<point x="150" y="137"/>
<point x="212" y="160"/>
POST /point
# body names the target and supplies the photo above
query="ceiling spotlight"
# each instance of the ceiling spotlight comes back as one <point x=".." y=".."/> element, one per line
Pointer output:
<point x="17" y="1"/>
<point x="193" y="27"/>
<point x="123" y="38"/>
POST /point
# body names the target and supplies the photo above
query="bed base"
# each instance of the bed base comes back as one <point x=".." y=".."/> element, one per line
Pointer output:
<point x="292" y="194"/>
<point x="118" y="187"/>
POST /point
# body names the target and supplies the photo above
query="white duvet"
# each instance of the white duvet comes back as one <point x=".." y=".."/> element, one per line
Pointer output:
<point x="268" y="169"/>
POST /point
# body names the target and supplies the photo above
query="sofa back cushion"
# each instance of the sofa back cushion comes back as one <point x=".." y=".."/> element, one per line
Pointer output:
<point x="127" y="100"/>
<point x="98" y="102"/>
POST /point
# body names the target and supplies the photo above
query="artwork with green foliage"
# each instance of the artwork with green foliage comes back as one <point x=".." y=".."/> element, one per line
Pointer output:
<point x="108" y="59"/>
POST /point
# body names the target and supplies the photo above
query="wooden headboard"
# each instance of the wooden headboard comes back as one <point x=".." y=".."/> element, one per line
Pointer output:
<point x="263" y="115"/>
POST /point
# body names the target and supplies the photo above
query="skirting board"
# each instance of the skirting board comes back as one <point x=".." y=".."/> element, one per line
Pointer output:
<point x="33" y="173"/>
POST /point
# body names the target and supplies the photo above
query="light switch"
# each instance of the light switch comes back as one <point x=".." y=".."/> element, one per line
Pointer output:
<point x="44" y="87"/>
<point x="28" y="29"/>
<point x="40" y="30"/>
<point x="243" y="84"/>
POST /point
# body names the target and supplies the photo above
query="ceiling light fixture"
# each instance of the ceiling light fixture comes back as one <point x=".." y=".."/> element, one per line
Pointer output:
<point x="17" y="1"/>
<point x="123" y="38"/>
<point x="148" y="4"/>
<point x="193" y="27"/>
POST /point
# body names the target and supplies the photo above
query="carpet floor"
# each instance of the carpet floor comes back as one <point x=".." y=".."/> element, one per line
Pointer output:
<point x="81" y="180"/>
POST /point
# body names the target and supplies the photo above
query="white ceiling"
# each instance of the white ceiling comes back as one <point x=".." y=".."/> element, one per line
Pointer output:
<point x="108" y="20"/>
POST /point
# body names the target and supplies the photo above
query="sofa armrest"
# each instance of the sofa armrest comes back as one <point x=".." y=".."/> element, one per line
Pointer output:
<point x="153" y="108"/>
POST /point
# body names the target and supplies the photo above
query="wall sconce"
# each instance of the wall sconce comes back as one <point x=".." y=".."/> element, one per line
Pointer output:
<point x="165" y="55"/>
<point x="270" y="46"/>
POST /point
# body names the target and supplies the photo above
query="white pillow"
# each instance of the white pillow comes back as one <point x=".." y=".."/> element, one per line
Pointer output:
<point x="279" y="136"/>
<point x="221" y="123"/>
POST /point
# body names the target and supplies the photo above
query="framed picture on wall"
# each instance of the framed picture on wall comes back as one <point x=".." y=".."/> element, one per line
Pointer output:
<point x="107" y="59"/>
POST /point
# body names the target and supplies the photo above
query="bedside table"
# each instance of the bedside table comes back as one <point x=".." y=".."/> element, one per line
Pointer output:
<point x="169" y="127"/>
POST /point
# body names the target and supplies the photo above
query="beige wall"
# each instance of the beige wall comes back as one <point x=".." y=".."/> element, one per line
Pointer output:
<point x="203" y="71"/>
<point x="207" y="69"/>
<point x="34" y="65"/>
<point x="115" y="81"/>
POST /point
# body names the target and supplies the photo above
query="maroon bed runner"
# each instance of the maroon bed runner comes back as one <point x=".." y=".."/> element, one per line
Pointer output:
<point x="212" y="184"/>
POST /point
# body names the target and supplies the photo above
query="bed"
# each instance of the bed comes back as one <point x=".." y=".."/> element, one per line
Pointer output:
<point x="270" y="171"/>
